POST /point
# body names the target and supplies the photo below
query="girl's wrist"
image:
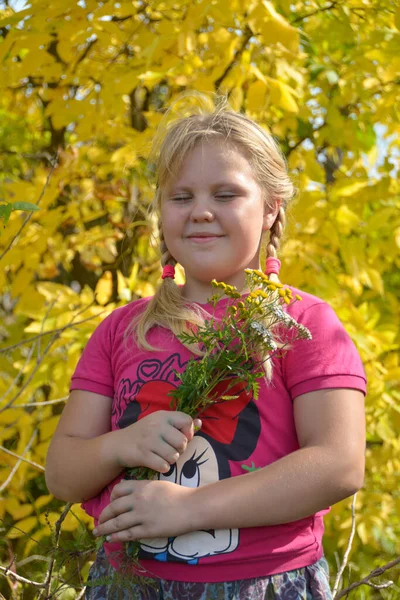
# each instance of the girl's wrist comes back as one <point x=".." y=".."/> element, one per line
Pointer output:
<point x="195" y="512"/>
<point x="112" y="444"/>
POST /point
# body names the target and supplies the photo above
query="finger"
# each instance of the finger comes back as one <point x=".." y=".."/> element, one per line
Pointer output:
<point x="167" y="452"/>
<point x="157" y="463"/>
<point x="128" y="535"/>
<point x="119" y="523"/>
<point x="116" y="508"/>
<point x="123" y="488"/>
<point x="180" y="420"/>
<point x="175" y="438"/>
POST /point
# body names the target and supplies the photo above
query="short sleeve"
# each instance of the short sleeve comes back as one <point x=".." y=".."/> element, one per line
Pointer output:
<point x="93" y="372"/>
<point x="329" y="360"/>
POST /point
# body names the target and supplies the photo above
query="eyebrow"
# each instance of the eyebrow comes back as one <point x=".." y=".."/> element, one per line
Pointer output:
<point x="215" y="186"/>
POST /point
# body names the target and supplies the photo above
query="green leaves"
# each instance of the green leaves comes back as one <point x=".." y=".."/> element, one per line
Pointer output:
<point x="7" y="208"/>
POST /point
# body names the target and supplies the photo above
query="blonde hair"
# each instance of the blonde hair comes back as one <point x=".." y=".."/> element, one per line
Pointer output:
<point x="174" y="140"/>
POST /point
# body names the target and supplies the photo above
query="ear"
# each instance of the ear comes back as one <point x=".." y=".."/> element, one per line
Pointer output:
<point x="270" y="214"/>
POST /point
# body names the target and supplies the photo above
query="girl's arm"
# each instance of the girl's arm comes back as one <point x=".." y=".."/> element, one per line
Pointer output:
<point x="81" y="458"/>
<point x="328" y="467"/>
<point x="84" y="455"/>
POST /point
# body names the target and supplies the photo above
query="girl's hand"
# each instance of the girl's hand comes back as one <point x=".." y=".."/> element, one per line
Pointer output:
<point x="156" y="441"/>
<point x="146" y="509"/>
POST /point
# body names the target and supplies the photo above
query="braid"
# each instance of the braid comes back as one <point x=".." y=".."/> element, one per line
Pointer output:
<point x="166" y="256"/>
<point x="275" y="233"/>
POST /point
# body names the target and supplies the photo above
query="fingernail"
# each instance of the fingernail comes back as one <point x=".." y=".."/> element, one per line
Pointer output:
<point x="108" y="538"/>
<point x="95" y="532"/>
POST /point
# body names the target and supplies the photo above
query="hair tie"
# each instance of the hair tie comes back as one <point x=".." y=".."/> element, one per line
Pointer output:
<point x="273" y="265"/>
<point x="168" y="271"/>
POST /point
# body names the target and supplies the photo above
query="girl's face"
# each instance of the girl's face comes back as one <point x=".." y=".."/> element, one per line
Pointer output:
<point x="215" y="195"/>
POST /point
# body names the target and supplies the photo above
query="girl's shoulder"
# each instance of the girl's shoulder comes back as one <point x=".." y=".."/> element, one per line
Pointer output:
<point x="121" y="317"/>
<point x="308" y="306"/>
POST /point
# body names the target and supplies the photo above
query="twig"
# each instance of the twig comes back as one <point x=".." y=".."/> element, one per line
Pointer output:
<point x="32" y="374"/>
<point x="44" y="403"/>
<point x="29" y="559"/>
<point x="348" y="549"/>
<point x="18" y="374"/>
<point x="40" y="359"/>
<point x="315" y="12"/>
<point x="14" y="470"/>
<point x="28" y="218"/>
<point x="61" y="329"/>
<point x="57" y="534"/>
<point x="366" y="580"/>
<point x="22" y="458"/>
<point x="9" y="573"/>
<point x="52" y="303"/>
<point x="247" y="35"/>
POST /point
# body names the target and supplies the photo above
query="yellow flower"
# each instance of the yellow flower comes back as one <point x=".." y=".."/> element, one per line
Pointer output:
<point x="241" y="305"/>
<point x="298" y="297"/>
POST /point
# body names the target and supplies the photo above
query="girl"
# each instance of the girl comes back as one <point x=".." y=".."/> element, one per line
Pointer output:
<point x="237" y="510"/>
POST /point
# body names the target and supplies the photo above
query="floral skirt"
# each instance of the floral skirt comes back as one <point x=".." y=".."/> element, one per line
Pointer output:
<point x="307" y="583"/>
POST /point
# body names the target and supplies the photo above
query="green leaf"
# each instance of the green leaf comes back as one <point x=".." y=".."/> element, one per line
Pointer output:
<point x="24" y="206"/>
<point x="5" y="212"/>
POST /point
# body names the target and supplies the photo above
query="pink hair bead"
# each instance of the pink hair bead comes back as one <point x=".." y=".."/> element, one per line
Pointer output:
<point x="168" y="271"/>
<point x="273" y="265"/>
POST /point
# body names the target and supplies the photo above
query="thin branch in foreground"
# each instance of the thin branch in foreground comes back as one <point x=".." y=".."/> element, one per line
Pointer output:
<point x="366" y="581"/>
<point x="57" y="533"/>
<point x="39" y="360"/>
<point x="20" y="372"/>
<point x="30" y="462"/>
<point x="8" y="573"/>
<point x="28" y="218"/>
<point x="59" y="330"/>
<point x="348" y="549"/>
<point x="14" y="470"/>
<point x="44" y="403"/>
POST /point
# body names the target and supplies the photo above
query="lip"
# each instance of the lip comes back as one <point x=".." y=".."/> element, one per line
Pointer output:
<point x="203" y="239"/>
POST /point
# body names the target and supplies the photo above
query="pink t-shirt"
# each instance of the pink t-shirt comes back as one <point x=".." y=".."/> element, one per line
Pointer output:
<point x="238" y="436"/>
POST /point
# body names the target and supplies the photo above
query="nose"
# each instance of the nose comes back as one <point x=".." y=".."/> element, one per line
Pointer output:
<point x="202" y="210"/>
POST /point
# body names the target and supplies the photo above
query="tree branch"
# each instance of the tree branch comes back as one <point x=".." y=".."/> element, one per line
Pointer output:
<point x="350" y="542"/>
<point x="14" y="470"/>
<point x="61" y="329"/>
<point x="57" y="533"/>
<point x="28" y="218"/>
<point x="22" y="458"/>
<point x="366" y="580"/>
<point x="247" y="35"/>
<point x="8" y="573"/>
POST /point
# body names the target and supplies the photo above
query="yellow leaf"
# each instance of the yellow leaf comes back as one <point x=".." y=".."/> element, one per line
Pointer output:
<point x="236" y="98"/>
<point x="48" y="427"/>
<point x="33" y="541"/>
<point x="282" y="96"/>
<point x="17" y="510"/>
<point x="43" y="500"/>
<point x="397" y="18"/>
<point x="104" y="288"/>
<point x="256" y="96"/>
<point x="274" y="28"/>
<point x="22" y="528"/>
<point x="347" y="220"/>
<point x="362" y="532"/>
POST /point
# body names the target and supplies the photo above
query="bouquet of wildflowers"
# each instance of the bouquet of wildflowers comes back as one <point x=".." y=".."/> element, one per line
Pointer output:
<point x="237" y="348"/>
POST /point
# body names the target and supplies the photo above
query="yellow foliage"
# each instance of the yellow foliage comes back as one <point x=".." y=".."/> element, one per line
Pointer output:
<point x="90" y="82"/>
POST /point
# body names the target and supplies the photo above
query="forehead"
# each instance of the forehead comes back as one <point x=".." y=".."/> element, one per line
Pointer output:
<point x="214" y="160"/>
